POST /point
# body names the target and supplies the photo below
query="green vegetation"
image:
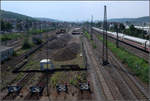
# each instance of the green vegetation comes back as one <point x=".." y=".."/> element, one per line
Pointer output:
<point x="21" y="51"/>
<point x="32" y="64"/>
<point x="37" y="40"/>
<point x="27" y="44"/>
<point x="138" y="65"/>
<point x="89" y="37"/>
<point x="135" y="32"/>
<point x="81" y="77"/>
<point x="6" y="26"/>
<point x="132" y="31"/>
<point x="11" y="15"/>
<point x="73" y="81"/>
<point x="55" y="78"/>
<point x="38" y="31"/>
<point x="139" y="20"/>
<point x="10" y="36"/>
<point x="74" y="78"/>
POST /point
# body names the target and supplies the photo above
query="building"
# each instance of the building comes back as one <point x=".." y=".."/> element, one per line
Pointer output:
<point x="46" y="64"/>
<point x="5" y="52"/>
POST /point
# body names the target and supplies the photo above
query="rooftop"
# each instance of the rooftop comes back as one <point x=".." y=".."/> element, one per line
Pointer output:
<point x="45" y="60"/>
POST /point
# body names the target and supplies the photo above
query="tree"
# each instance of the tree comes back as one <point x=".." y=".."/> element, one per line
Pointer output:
<point x="121" y="27"/>
<point x="26" y="43"/>
<point x="3" y="27"/>
<point x="8" y="26"/>
<point x="19" y="27"/>
<point x="132" y="28"/>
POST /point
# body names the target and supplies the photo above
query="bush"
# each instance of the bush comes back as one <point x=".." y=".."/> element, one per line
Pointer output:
<point x="37" y="40"/>
<point x="26" y="44"/>
<point x="10" y="36"/>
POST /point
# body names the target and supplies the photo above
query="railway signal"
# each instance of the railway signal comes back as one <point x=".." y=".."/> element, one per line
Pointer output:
<point x="105" y="48"/>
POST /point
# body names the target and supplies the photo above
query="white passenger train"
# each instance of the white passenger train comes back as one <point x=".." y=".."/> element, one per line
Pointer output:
<point x="142" y="43"/>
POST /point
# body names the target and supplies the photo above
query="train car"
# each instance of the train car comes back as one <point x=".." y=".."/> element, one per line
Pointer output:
<point x="142" y="43"/>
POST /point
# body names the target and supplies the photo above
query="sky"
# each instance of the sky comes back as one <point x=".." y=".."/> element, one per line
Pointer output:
<point x="78" y="10"/>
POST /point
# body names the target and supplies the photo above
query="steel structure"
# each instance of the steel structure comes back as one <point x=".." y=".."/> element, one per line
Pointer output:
<point x="105" y="47"/>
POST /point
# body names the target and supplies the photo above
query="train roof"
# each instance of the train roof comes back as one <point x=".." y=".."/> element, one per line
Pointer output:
<point x="45" y="61"/>
<point x="126" y="36"/>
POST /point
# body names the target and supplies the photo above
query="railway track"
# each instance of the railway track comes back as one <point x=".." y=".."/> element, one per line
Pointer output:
<point x="41" y="83"/>
<point x="22" y="83"/>
<point x="133" y="50"/>
<point x="116" y="70"/>
<point x="101" y="82"/>
<point x="26" y="78"/>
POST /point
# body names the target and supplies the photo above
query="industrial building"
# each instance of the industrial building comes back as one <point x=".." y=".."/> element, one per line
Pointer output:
<point x="5" y="52"/>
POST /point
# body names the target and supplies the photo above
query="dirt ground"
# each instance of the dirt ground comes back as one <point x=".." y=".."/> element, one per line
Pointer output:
<point x="72" y="78"/>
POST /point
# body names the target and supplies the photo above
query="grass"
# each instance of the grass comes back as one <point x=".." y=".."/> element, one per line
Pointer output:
<point x="10" y="36"/>
<point x="56" y="78"/>
<point x="89" y="37"/>
<point x="138" y="65"/>
<point x="32" y="64"/>
<point x="72" y="77"/>
<point x="21" y="51"/>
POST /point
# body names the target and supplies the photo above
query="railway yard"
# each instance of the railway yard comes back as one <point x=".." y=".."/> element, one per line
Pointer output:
<point x="78" y="73"/>
<point x="56" y="52"/>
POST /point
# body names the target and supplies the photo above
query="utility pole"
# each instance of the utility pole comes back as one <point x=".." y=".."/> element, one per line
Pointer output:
<point x="105" y="47"/>
<point x="117" y="45"/>
<point x="47" y="66"/>
<point x="91" y="27"/>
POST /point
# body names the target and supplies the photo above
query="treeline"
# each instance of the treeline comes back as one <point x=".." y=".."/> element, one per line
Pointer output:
<point x="132" y="31"/>
<point x="121" y="28"/>
<point x="10" y="36"/>
<point x="6" y="26"/>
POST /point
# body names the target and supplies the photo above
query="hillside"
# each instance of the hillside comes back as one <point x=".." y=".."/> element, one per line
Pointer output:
<point x="47" y="19"/>
<point x="12" y="15"/>
<point x="145" y="19"/>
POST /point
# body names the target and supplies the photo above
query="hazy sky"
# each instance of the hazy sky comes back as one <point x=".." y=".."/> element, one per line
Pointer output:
<point x="78" y="10"/>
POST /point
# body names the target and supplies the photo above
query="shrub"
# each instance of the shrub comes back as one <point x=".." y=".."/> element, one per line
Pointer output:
<point x="26" y="44"/>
